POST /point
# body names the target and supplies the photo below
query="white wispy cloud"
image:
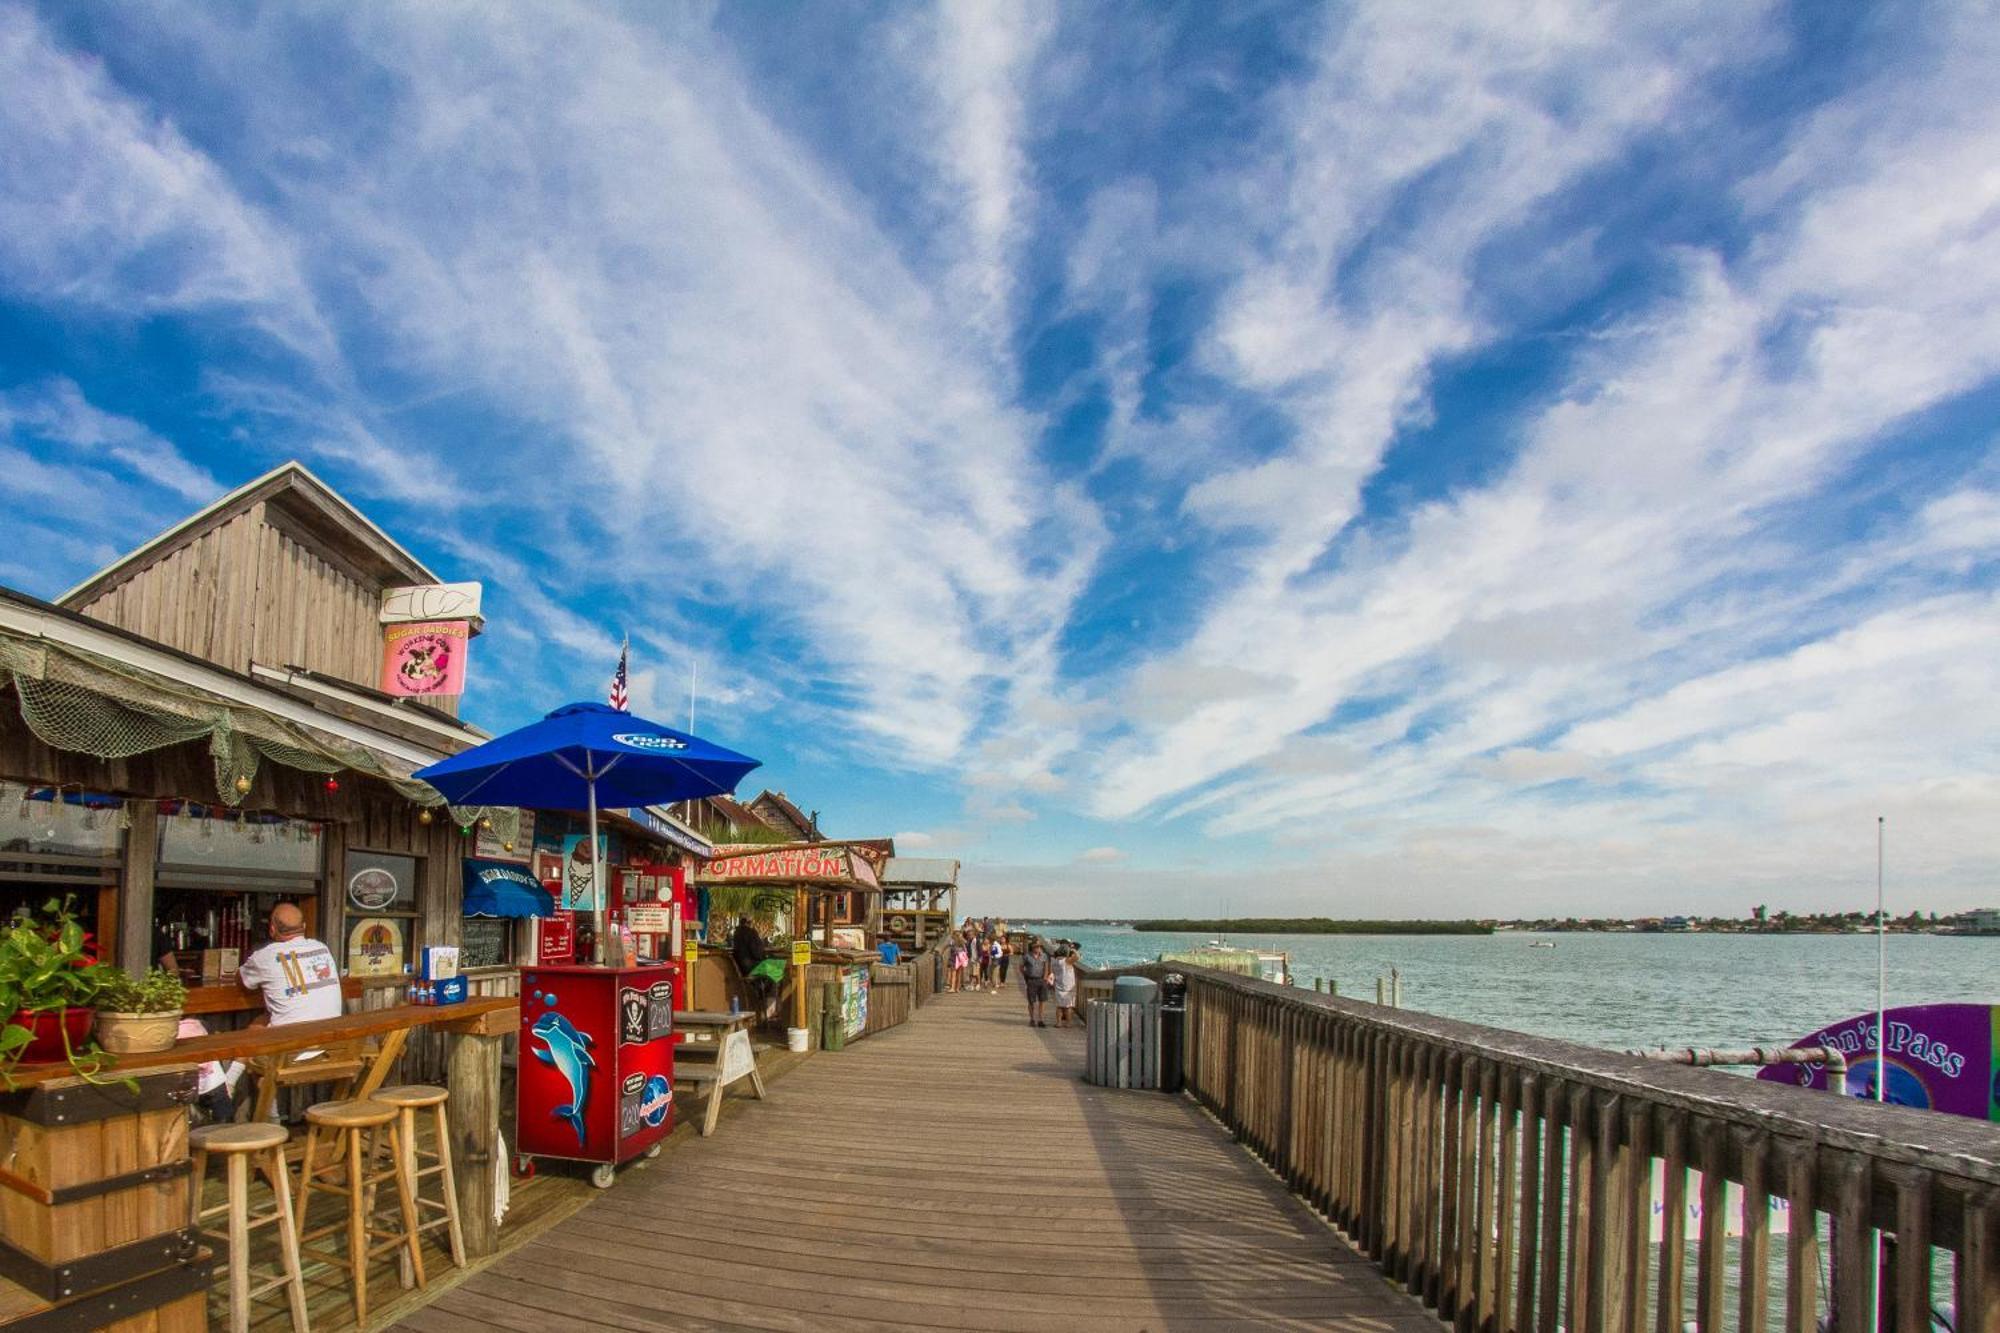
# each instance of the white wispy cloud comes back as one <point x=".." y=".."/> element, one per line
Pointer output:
<point x="106" y="205"/>
<point x="713" y="336"/>
<point x="1465" y="120"/>
<point x="1638" y="509"/>
<point x="981" y="62"/>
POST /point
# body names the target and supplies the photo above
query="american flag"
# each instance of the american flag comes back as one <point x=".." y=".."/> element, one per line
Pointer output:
<point x="619" y="700"/>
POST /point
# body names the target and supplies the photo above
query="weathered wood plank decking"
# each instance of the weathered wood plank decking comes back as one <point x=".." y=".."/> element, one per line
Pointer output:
<point x="952" y="1173"/>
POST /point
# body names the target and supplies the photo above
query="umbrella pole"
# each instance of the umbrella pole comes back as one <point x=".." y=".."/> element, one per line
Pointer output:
<point x="603" y="875"/>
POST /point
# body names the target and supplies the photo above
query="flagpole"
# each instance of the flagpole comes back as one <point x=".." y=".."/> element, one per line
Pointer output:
<point x="1881" y="970"/>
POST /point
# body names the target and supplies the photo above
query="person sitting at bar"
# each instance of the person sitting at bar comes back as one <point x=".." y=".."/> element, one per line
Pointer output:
<point x="294" y="973"/>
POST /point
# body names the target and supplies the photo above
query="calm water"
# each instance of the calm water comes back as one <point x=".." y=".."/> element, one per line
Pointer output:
<point x="1619" y="991"/>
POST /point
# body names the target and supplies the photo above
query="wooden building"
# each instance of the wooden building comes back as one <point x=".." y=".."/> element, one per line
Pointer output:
<point x="196" y="732"/>
<point x="776" y="811"/>
<point x="919" y="900"/>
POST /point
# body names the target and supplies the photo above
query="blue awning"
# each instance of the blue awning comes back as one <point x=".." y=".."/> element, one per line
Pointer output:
<point x="495" y="888"/>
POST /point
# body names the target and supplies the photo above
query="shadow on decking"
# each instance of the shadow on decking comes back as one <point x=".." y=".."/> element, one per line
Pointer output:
<point x="1223" y="1240"/>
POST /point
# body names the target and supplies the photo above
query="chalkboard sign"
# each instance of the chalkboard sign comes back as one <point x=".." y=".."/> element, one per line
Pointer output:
<point x="485" y="942"/>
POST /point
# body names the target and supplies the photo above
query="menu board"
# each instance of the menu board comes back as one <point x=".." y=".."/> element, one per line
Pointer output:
<point x="484" y="942"/>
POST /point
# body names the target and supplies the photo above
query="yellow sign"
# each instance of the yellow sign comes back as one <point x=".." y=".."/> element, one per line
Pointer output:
<point x="802" y="953"/>
<point x="693" y="953"/>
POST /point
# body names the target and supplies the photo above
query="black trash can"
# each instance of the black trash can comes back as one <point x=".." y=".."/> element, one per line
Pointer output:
<point x="1173" y="1032"/>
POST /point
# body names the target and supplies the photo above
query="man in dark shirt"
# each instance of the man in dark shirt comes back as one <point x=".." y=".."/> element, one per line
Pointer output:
<point x="747" y="947"/>
<point x="1035" y="980"/>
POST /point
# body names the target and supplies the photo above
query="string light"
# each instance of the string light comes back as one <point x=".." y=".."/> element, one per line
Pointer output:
<point x="333" y="784"/>
<point x="425" y="817"/>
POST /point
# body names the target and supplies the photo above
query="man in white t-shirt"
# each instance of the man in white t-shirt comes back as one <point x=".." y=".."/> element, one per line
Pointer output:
<point x="294" y="972"/>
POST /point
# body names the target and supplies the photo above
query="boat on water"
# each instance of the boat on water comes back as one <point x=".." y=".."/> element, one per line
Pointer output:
<point x="1541" y="944"/>
<point x="1267" y="964"/>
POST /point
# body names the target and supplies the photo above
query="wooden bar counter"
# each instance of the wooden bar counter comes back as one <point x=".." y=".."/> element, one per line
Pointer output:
<point x="473" y="1029"/>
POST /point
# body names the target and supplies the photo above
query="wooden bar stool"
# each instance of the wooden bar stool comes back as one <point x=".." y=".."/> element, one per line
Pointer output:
<point x="409" y="1099"/>
<point x="240" y="1146"/>
<point x="338" y="1161"/>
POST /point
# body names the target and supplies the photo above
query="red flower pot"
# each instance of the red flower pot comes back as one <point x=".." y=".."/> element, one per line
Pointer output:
<point x="48" y="1026"/>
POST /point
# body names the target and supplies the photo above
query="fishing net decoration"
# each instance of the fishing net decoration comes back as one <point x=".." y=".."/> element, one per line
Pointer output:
<point x="75" y="700"/>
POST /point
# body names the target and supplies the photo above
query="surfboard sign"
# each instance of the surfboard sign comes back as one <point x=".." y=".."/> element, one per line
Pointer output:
<point x="1939" y="1057"/>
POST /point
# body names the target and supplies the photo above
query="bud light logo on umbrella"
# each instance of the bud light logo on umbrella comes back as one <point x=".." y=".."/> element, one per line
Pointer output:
<point x="1941" y="1057"/>
<point x="640" y="740"/>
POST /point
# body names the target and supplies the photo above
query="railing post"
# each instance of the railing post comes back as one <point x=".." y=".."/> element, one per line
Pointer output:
<point x="1581" y="1236"/>
<point x="1470" y="1242"/>
<point x="1490" y="1234"/>
<point x="1801" y="1241"/>
<point x="1639" y="1216"/>
<point x="1554" y="1102"/>
<point x="1444" y="1277"/>
<point x="1531" y="1200"/>
<point x="1912" y="1294"/>
<point x="1711" y="1250"/>
<point x="1673" y="1223"/>
<point x="1608" y="1210"/>
<point x="1853" y="1264"/>
<point x="1978" y="1269"/>
<point x="1753" y="1277"/>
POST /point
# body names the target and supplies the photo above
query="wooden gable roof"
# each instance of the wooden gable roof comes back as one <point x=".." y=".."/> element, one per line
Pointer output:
<point x="282" y="572"/>
<point x="295" y="497"/>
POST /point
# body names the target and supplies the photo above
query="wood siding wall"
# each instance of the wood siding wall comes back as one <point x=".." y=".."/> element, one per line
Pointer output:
<point x="255" y="588"/>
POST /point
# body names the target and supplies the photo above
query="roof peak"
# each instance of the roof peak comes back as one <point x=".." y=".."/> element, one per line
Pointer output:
<point x="291" y="477"/>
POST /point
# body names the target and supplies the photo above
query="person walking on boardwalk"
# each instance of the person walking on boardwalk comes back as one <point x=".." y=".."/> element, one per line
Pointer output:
<point x="957" y="964"/>
<point x="1035" y="981"/>
<point x="1062" y="981"/>
<point x="1006" y="957"/>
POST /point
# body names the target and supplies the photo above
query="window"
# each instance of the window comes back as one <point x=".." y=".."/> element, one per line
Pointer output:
<point x="378" y="902"/>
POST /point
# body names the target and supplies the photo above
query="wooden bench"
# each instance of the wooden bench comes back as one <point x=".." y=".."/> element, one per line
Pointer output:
<point x="712" y="1064"/>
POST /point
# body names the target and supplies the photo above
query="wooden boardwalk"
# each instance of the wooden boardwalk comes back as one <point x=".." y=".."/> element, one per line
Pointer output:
<point x="953" y="1173"/>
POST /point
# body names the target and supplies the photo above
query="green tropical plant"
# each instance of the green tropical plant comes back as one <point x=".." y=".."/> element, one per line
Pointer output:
<point x="48" y="963"/>
<point x="158" y="992"/>
<point x="762" y="903"/>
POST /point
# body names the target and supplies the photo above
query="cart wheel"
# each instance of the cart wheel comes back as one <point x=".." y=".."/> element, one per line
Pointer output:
<point x="653" y="1151"/>
<point x="524" y="1166"/>
<point x="603" y="1174"/>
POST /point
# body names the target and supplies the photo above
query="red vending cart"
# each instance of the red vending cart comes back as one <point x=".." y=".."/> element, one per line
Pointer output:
<point x="596" y="1080"/>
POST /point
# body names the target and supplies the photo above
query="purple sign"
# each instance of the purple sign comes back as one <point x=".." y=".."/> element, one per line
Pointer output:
<point x="1941" y="1057"/>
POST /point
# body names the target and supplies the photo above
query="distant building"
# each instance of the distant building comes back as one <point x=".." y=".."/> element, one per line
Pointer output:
<point x="1676" y="923"/>
<point x="778" y="812"/>
<point x="1984" y="920"/>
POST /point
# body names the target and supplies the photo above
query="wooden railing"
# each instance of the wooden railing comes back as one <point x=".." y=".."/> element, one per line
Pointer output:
<point x="924" y="972"/>
<point x="1520" y="1183"/>
<point x="890" y="1000"/>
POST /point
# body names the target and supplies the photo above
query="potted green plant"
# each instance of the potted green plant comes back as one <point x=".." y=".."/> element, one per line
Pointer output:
<point x="140" y="1013"/>
<point x="49" y="983"/>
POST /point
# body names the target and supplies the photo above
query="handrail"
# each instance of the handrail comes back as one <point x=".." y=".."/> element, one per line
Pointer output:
<point x="1508" y="1180"/>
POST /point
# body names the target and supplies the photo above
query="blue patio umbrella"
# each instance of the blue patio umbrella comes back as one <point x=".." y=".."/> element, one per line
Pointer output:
<point x="583" y="756"/>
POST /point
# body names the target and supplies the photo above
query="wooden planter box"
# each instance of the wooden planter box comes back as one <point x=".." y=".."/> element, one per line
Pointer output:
<point x="94" y="1183"/>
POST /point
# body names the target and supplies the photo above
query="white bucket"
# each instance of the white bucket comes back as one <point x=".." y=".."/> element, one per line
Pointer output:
<point x="795" y="1039"/>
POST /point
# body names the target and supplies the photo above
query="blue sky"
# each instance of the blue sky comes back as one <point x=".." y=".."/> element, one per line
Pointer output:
<point x="1391" y="460"/>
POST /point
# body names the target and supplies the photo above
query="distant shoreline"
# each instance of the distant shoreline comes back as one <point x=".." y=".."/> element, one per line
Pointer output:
<point x="1310" y="925"/>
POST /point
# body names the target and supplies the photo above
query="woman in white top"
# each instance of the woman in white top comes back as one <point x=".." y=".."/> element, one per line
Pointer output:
<point x="1062" y="980"/>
